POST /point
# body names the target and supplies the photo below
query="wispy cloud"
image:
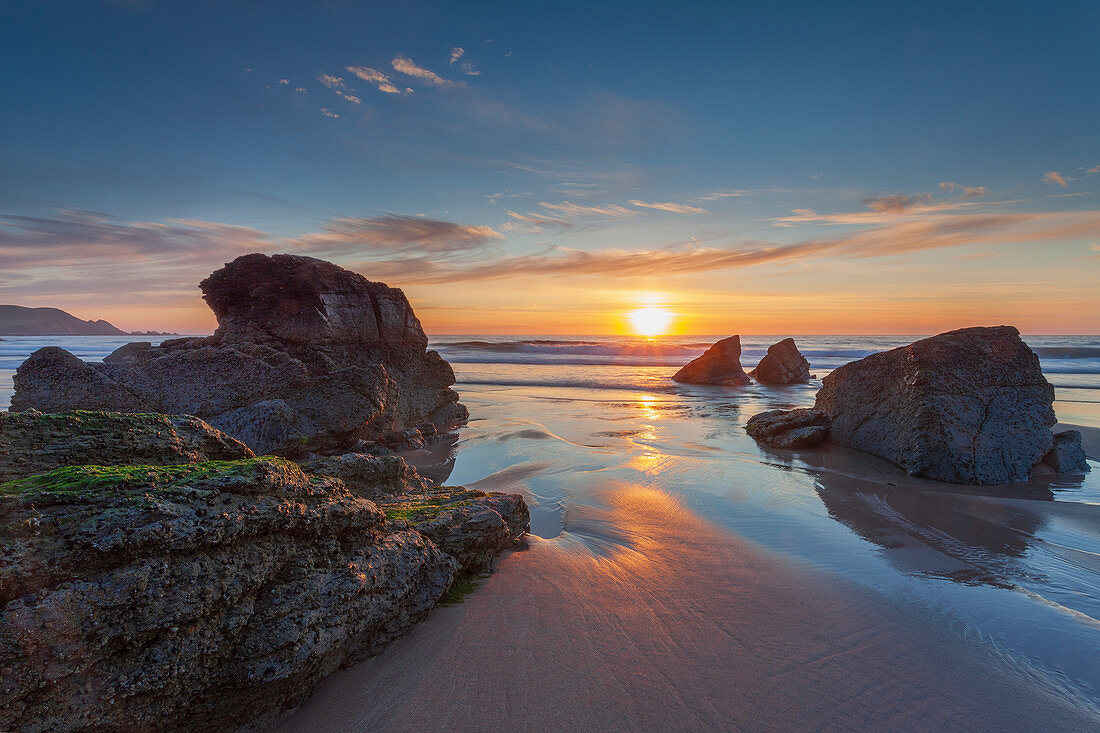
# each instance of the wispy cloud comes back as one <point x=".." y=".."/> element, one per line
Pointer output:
<point x="670" y="207"/>
<point x="396" y="233"/>
<point x="337" y="85"/>
<point x="533" y="223"/>
<point x="469" y="69"/>
<point x="373" y="76"/>
<point x="456" y="53"/>
<point x="968" y="192"/>
<point x="716" y="195"/>
<point x="1094" y="169"/>
<point x="1054" y="177"/>
<point x="405" y="65"/>
<point x="578" y="211"/>
<point x="895" y="202"/>
<point x="901" y="235"/>
<point x="329" y="113"/>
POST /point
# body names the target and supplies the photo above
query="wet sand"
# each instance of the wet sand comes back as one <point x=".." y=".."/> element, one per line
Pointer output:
<point x="643" y="616"/>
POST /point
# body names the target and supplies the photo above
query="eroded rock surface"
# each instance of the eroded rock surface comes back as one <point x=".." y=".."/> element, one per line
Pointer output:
<point x="789" y="429"/>
<point x="212" y="595"/>
<point x="783" y="364"/>
<point x="307" y="356"/>
<point x="33" y="442"/>
<point x="720" y="364"/>
<point x="968" y="406"/>
<point x="470" y="525"/>
<point x="368" y="476"/>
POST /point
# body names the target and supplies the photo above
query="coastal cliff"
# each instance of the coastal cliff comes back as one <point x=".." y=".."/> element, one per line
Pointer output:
<point x="16" y="320"/>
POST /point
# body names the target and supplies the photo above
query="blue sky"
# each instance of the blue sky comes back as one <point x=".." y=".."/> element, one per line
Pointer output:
<point x="563" y="160"/>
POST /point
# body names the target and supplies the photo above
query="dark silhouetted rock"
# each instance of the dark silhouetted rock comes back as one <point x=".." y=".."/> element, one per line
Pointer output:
<point x="215" y="595"/>
<point x="1067" y="455"/>
<point x="789" y="428"/>
<point x="968" y="406"/>
<point x="33" y="442"/>
<point x="307" y="357"/>
<point x="783" y="364"/>
<point x="720" y="364"/>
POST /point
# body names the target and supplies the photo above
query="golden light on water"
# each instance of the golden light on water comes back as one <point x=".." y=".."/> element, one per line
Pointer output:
<point x="650" y="320"/>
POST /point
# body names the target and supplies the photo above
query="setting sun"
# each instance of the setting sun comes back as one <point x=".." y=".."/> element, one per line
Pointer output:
<point x="650" y="321"/>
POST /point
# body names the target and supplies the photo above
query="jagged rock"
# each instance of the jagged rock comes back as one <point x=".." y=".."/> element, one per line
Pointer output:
<point x="33" y="442"/>
<point x="469" y="525"/>
<point x="368" y="476"/>
<point x="720" y="364"/>
<point x="789" y="428"/>
<point x="307" y="356"/>
<point x="969" y="406"/>
<point x="205" y="596"/>
<point x="1067" y="455"/>
<point x="783" y="364"/>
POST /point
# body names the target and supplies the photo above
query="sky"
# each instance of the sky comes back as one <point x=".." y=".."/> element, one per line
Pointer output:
<point x="547" y="168"/>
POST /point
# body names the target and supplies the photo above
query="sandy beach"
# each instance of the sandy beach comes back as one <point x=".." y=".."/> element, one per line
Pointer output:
<point x="670" y="623"/>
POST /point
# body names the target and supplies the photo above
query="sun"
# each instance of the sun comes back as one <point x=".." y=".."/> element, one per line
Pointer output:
<point x="650" y="320"/>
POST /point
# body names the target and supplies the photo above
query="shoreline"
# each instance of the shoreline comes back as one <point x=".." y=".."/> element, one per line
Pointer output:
<point x="683" y="625"/>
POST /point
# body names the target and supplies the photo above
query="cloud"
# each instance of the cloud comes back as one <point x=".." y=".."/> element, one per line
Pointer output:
<point x="1094" y="169"/>
<point x="533" y="223"/>
<point x="1054" y="177"/>
<point x="329" y="113"/>
<point x="407" y="66"/>
<point x="469" y="69"/>
<point x="373" y="76"/>
<point x="906" y="234"/>
<point x="671" y="207"/>
<point x="968" y="192"/>
<point x="337" y="85"/>
<point x="578" y="211"/>
<point x="716" y="195"/>
<point x="284" y="82"/>
<point x="1095" y="246"/>
<point x="895" y="202"/>
<point x="456" y="53"/>
<point x="396" y="233"/>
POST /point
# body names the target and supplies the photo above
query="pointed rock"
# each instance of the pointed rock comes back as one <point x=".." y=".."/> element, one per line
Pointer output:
<point x="720" y="364"/>
<point x="783" y="364"/>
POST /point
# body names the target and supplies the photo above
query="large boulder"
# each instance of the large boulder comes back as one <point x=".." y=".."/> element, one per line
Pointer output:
<point x="783" y="364"/>
<point x="969" y="406"/>
<point x="307" y="356"/>
<point x="34" y="442"/>
<point x="720" y="364"/>
<point x="213" y="595"/>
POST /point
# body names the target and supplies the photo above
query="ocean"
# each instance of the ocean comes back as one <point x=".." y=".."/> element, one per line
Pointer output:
<point x="561" y="419"/>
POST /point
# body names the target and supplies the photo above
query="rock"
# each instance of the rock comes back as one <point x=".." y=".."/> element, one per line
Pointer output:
<point x="368" y="476"/>
<point x="783" y="364"/>
<point x="59" y="381"/>
<point x="467" y="524"/>
<point x="33" y="442"/>
<point x="969" y="406"/>
<point x="720" y="364"/>
<point x="209" y="596"/>
<point x="307" y="357"/>
<point x="789" y="428"/>
<point x="1067" y="455"/>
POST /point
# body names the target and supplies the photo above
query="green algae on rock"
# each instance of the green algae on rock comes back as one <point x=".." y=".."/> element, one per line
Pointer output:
<point x="213" y="595"/>
<point x="34" y="442"/>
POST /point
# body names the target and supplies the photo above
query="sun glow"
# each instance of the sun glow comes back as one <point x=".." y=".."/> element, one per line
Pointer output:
<point x="650" y="321"/>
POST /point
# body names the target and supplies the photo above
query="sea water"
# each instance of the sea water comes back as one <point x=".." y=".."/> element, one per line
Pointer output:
<point x="1016" y="571"/>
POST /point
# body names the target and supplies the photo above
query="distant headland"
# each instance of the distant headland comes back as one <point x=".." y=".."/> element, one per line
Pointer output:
<point x="16" y="320"/>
